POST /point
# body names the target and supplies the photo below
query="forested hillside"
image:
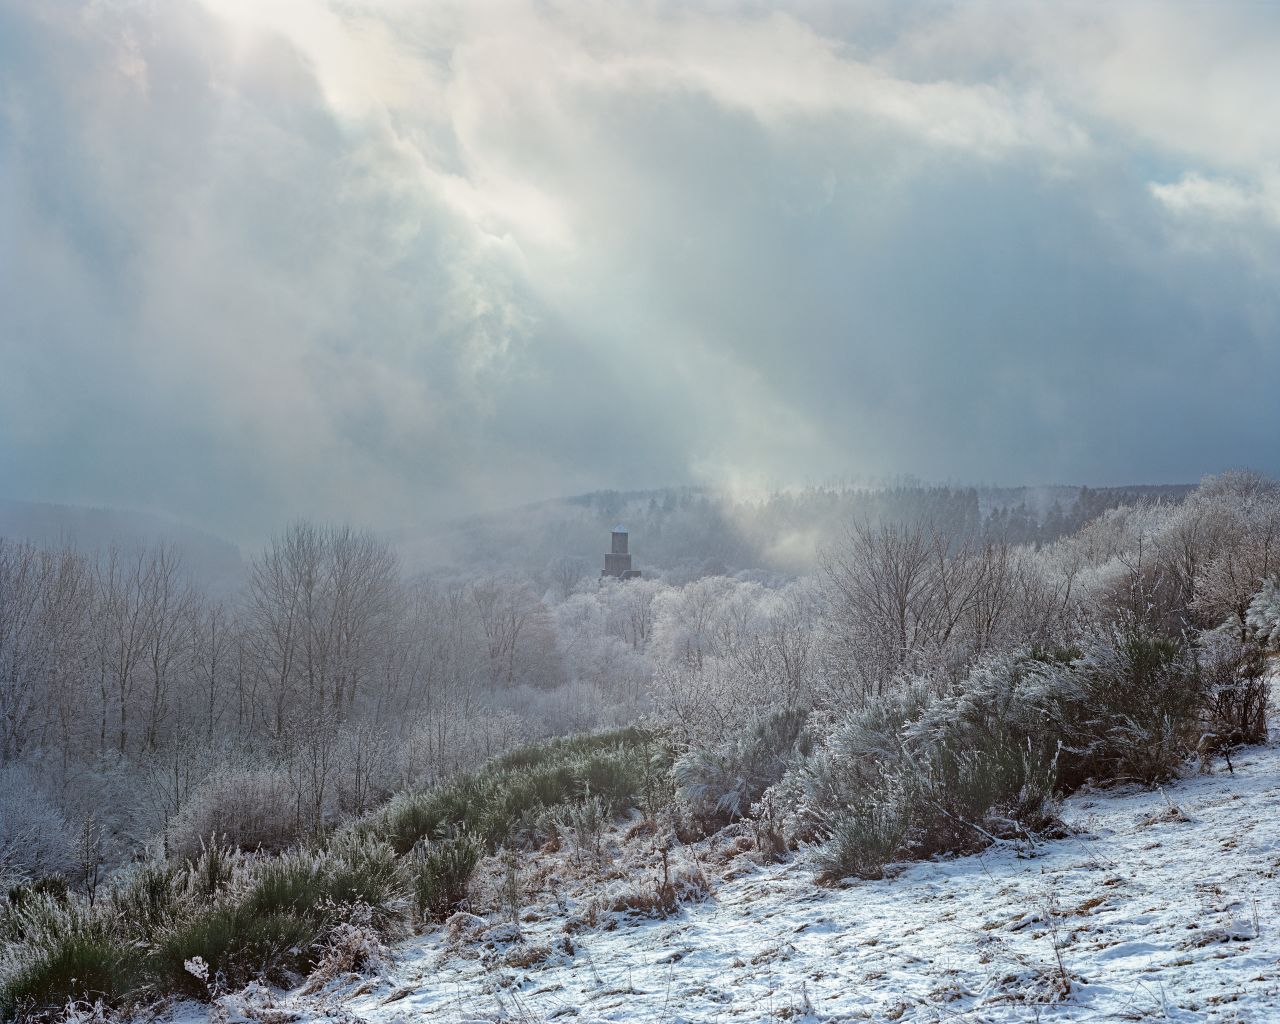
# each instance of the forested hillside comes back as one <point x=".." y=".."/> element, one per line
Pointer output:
<point x="683" y="533"/>
<point x="930" y="688"/>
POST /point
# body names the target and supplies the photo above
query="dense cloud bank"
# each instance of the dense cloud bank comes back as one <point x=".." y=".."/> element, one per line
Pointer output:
<point x="390" y="261"/>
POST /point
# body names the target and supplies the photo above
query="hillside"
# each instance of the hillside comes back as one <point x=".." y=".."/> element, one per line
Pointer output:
<point x="1155" y="904"/>
<point x="687" y="532"/>
<point x="212" y="560"/>
<point x="680" y="533"/>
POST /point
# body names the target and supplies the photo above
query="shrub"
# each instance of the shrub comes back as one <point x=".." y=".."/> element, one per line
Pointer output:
<point x="35" y="839"/>
<point x="212" y="871"/>
<point x="51" y="885"/>
<point x="936" y="797"/>
<point x="1236" y="686"/>
<point x="440" y="873"/>
<point x="721" y="782"/>
<point x="68" y="953"/>
<point x="260" y="916"/>
<point x="922" y="773"/>
<point x="1131" y="706"/>
<point x="250" y="810"/>
<point x="151" y="899"/>
<point x="495" y="803"/>
<point x="864" y="837"/>
<point x="324" y="885"/>
<point x="363" y="875"/>
<point x="566" y="747"/>
<point x="662" y="896"/>
<point x="585" y="821"/>
<point x="239" y="943"/>
<point x="926" y="772"/>
<point x="1263" y="616"/>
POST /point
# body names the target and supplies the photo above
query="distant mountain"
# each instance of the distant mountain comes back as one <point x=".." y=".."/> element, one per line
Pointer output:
<point x="679" y="533"/>
<point x="686" y="532"/>
<point x="211" y="560"/>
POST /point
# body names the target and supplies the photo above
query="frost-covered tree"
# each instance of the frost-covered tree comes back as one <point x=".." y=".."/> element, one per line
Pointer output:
<point x="1263" y="614"/>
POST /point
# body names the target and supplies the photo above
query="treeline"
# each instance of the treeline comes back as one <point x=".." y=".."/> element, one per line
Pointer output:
<point x="685" y="533"/>
<point x="955" y="686"/>
<point x="207" y="924"/>
<point x="931" y="687"/>
<point x="137" y="711"/>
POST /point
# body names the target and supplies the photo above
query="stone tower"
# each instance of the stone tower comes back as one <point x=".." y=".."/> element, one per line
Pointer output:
<point x="617" y="562"/>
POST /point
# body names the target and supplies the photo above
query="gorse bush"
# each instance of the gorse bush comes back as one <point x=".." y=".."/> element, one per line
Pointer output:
<point x="267" y="922"/>
<point x="495" y="803"/>
<point x="1134" y="700"/>
<point x="154" y="897"/>
<point x="929" y="770"/>
<point x="67" y="952"/>
<point x="585" y="822"/>
<point x="864" y="836"/>
<point x="440" y="874"/>
<point x="933" y="798"/>
<point x="565" y="748"/>
<point x="251" y="915"/>
<point x="212" y="870"/>
<point x="720" y="782"/>
<point x="239" y="944"/>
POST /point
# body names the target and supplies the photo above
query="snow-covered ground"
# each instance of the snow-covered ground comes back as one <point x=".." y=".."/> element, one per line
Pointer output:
<point x="1161" y="905"/>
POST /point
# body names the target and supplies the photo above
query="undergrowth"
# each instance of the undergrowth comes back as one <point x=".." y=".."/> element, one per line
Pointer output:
<point x="927" y="771"/>
<point x="243" y="917"/>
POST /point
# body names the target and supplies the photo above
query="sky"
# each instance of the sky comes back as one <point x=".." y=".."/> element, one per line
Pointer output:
<point x="388" y="262"/>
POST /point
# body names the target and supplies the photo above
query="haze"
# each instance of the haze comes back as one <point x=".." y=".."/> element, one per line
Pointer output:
<point x="384" y="262"/>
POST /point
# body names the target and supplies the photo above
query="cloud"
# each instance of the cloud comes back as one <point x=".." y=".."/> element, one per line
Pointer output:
<point x="392" y="261"/>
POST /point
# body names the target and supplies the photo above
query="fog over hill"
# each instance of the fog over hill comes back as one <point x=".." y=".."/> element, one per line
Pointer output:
<point x="682" y="533"/>
<point x="678" y="533"/>
<point x="210" y="559"/>
<point x="356" y="261"/>
<point x="886" y="337"/>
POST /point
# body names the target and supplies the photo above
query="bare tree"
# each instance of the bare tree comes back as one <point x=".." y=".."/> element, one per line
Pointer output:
<point x="44" y="604"/>
<point x="213" y="651"/>
<point x="504" y="610"/>
<point x="169" y="600"/>
<point x="909" y="598"/>
<point x="122" y="618"/>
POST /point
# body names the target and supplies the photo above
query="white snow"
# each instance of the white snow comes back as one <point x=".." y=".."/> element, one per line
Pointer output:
<point x="1161" y="905"/>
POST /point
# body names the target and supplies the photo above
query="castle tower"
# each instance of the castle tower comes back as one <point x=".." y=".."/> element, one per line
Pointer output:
<point x="617" y="563"/>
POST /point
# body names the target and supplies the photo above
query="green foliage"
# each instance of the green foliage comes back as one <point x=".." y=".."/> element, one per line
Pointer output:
<point x="926" y="772"/>
<point x="863" y="839"/>
<point x="239" y="943"/>
<point x="565" y="747"/>
<point x="152" y="899"/>
<point x="266" y="917"/>
<point x="211" y="871"/>
<point x="440" y="874"/>
<point x="1131" y="707"/>
<point x="69" y="954"/>
<point x="363" y="873"/>
<point x="493" y="804"/>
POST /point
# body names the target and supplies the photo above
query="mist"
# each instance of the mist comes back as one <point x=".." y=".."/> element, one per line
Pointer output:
<point x="642" y="510"/>
<point x="395" y="263"/>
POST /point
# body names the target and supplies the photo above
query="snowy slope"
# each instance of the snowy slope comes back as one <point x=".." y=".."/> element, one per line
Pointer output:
<point x="1163" y="905"/>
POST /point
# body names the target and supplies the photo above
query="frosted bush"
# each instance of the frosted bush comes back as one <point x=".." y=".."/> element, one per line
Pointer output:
<point x="35" y="839"/>
<point x="251" y="809"/>
<point x="1263" y="616"/>
<point x="721" y="781"/>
